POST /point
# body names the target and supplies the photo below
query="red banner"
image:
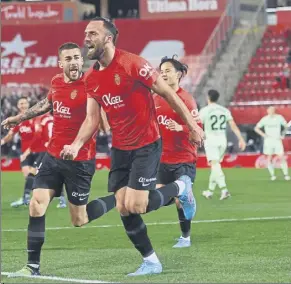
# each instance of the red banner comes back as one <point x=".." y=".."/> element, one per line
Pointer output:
<point x="29" y="52"/>
<point x="165" y="9"/>
<point x="38" y="13"/>
<point x="230" y="161"/>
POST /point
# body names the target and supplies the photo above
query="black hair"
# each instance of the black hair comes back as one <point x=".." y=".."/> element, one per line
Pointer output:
<point x="213" y="95"/>
<point x="68" y="45"/>
<point x="22" y="98"/>
<point x="109" y="26"/>
<point x="179" y="66"/>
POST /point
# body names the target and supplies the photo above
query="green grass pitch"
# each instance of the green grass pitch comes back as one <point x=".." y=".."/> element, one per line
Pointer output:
<point x="234" y="251"/>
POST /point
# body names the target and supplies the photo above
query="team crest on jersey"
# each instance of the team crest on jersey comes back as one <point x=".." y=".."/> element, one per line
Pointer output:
<point x="74" y="94"/>
<point x="117" y="79"/>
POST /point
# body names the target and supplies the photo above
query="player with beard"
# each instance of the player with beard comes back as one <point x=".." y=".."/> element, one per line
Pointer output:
<point x="121" y="83"/>
<point x="179" y="156"/>
<point x="67" y="99"/>
<point x="26" y="131"/>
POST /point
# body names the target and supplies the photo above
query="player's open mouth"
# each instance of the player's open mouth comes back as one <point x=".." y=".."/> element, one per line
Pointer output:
<point x="90" y="48"/>
<point x="74" y="72"/>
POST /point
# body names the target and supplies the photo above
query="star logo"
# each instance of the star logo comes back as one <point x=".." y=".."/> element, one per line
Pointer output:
<point x="16" y="45"/>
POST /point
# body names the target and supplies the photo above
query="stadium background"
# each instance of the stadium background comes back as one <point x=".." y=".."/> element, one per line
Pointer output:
<point x="242" y="48"/>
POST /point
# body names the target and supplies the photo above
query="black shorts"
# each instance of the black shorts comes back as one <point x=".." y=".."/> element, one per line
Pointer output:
<point x="38" y="160"/>
<point x="168" y="173"/>
<point x="53" y="173"/>
<point x="135" y="168"/>
<point x="30" y="159"/>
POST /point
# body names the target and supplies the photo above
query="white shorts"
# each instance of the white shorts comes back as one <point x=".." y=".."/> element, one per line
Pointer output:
<point x="273" y="147"/>
<point x="215" y="152"/>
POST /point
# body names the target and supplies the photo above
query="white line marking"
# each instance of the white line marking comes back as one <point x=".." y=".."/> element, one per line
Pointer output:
<point x="163" y="223"/>
<point x="60" y="278"/>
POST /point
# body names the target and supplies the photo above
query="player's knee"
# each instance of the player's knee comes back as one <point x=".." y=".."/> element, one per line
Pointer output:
<point x="78" y="221"/>
<point x="136" y="206"/>
<point x="213" y="162"/>
<point x="121" y="208"/>
<point x="36" y="208"/>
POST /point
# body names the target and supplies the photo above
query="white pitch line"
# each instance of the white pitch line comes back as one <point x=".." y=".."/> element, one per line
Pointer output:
<point x="162" y="223"/>
<point x="60" y="278"/>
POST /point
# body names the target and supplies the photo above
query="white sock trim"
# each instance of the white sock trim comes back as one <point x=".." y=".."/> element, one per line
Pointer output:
<point x="181" y="186"/>
<point x="152" y="258"/>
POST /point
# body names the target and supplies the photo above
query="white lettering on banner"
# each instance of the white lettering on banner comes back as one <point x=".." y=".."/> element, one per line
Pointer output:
<point x="164" y="120"/>
<point x="112" y="101"/>
<point x="164" y="6"/>
<point x="262" y="162"/>
<point x="18" y="65"/>
<point x="27" y="13"/>
<point x="59" y="108"/>
<point x="14" y="59"/>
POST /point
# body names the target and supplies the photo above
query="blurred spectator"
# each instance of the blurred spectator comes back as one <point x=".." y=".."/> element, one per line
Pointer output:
<point x="120" y="13"/>
<point x="252" y="147"/>
<point x="287" y="35"/>
<point x="103" y="144"/>
<point x="288" y="58"/>
<point x="280" y="83"/>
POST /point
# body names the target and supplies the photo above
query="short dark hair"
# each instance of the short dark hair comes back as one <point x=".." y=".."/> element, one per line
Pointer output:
<point x="109" y="26"/>
<point x="179" y="66"/>
<point x="213" y="95"/>
<point x="22" y="98"/>
<point x="68" y="45"/>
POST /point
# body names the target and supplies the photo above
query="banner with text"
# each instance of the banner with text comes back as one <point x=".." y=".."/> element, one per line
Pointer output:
<point x="14" y="13"/>
<point x="29" y="53"/>
<point x="257" y="161"/>
<point x="165" y="9"/>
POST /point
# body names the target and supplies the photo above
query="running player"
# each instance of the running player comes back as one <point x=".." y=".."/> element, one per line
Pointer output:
<point x="39" y="143"/>
<point x="179" y="155"/>
<point x="26" y="131"/>
<point x="274" y="126"/>
<point x="67" y="99"/>
<point x="215" y="118"/>
<point x="121" y="83"/>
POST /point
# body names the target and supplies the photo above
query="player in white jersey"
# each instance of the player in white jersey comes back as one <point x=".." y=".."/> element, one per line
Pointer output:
<point x="215" y="118"/>
<point x="274" y="126"/>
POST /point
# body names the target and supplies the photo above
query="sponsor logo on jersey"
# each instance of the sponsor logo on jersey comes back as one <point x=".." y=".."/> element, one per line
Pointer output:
<point x="25" y="129"/>
<point x="146" y="71"/>
<point x="115" y="101"/>
<point x="58" y="107"/>
<point x="164" y="120"/>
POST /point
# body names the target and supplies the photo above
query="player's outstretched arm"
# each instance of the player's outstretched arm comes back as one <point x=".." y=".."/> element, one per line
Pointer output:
<point x="86" y="131"/>
<point x="161" y="88"/>
<point x="7" y="138"/>
<point x="241" y="142"/>
<point x="39" y="108"/>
